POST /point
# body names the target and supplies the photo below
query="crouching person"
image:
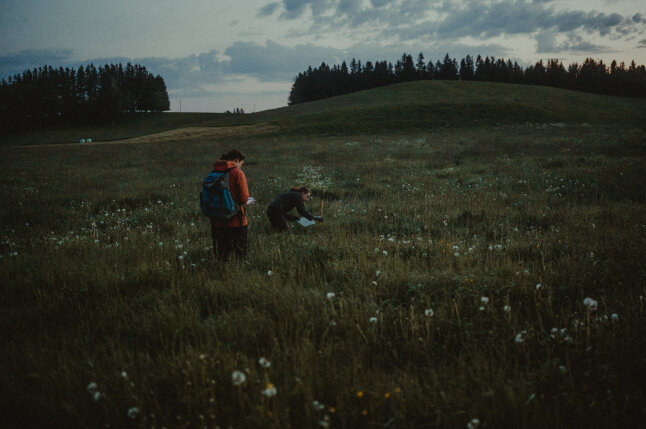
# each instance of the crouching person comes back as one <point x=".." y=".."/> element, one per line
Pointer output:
<point x="279" y="208"/>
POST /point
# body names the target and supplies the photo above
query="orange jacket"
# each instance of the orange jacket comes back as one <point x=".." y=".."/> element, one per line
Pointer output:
<point x="239" y="192"/>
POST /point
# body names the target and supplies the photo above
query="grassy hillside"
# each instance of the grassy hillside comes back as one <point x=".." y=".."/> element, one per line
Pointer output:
<point x="491" y="271"/>
<point x="415" y="105"/>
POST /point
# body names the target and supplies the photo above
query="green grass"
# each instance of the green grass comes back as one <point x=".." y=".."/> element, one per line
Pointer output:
<point x="421" y="106"/>
<point x="105" y="269"/>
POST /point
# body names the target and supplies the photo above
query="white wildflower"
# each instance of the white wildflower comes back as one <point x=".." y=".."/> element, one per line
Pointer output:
<point x="269" y="273"/>
<point x="92" y="387"/>
<point x="538" y="286"/>
<point x="270" y="390"/>
<point x="590" y="303"/>
<point x="330" y="295"/>
<point x="614" y="317"/>
<point x="429" y="312"/>
<point x="373" y="320"/>
<point x="264" y="362"/>
<point x="473" y="424"/>
<point x="238" y="378"/>
<point x="520" y="337"/>
<point x="507" y="308"/>
<point x="133" y="412"/>
<point x="484" y="300"/>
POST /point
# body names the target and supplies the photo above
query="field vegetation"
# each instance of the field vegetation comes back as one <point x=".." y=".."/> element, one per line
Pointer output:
<point x="481" y="263"/>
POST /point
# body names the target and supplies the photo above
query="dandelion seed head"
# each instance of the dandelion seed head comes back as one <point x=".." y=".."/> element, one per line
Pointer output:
<point x="238" y="378"/>
<point x="330" y="295"/>
<point x="264" y="362"/>
<point x="373" y="320"/>
<point x="133" y="412"/>
<point x="429" y="312"/>
<point x="590" y="303"/>
<point x="507" y="308"/>
<point x="520" y="337"/>
<point x="473" y="424"/>
<point x="484" y="300"/>
<point x="269" y="273"/>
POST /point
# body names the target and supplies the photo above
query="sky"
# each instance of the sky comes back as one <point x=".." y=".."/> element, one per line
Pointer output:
<point x="218" y="55"/>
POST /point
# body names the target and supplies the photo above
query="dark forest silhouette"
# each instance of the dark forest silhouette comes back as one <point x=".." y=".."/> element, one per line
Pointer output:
<point x="48" y="96"/>
<point x="591" y="76"/>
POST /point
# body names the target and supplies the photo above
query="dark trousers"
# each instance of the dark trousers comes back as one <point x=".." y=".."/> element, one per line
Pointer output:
<point x="277" y="219"/>
<point x="229" y="240"/>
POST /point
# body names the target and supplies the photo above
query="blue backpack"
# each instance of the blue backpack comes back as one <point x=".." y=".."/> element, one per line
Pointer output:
<point x="216" y="200"/>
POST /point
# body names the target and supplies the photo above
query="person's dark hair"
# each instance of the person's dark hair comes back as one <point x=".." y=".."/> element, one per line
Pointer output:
<point x="303" y="189"/>
<point x="231" y="155"/>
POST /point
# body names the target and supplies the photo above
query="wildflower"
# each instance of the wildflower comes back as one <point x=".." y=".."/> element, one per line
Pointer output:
<point x="318" y="406"/>
<point x="457" y="254"/>
<point x="538" y="286"/>
<point x="364" y="412"/>
<point x="385" y="252"/>
<point x="519" y="337"/>
<point x="264" y="362"/>
<point x="507" y="308"/>
<point x="563" y="369"/>
<point x="481" y="308"/>
<point x="429" y="312"/>
<point x="270" y="390"/>
<point x="96" y="396"/>
<point x="377" y="273"/>
<point x="360" y="394"/>
<point x="269" y="273"/>
<point x="614" y="317"/>
<point x="92" y="387"/>
<point x="325" y="422"/>
<point x="473" y="424"/>
<point x="133" y="412"/>
<point x="590" y="303"/>
<point x="373" y="320"/>
<point x="238" y="378"/>
<point x="330" y="295"/>
<point x="124" y="374"/>
<point x="484" y="300"/>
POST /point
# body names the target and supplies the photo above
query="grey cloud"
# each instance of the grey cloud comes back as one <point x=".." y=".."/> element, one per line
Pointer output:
<point x="547" y="44"/>
<point x="18" y="62"/>
<point x="642" y="43"/>
<point x="410" y="19"/>
<point x="268" y="9"/>
<point x="274" y="61"/>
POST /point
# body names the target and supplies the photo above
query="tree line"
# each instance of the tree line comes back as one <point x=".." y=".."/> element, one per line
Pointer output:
<point x="591" y="76"/>
<point x="48" y="96"/>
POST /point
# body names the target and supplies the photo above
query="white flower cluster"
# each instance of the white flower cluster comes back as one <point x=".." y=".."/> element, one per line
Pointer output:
<point x="311" y="177"/>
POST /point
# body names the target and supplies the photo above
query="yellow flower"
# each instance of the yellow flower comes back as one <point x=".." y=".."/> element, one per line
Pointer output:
<point x="387" y="395"/>
<point x="360" y="394"/>
<point x="332" y="410"/>
<point x="364" y="412"/>
<point x="397" y="390"/>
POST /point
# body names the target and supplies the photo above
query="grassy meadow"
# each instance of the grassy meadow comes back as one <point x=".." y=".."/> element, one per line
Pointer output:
<point x="481" y="264"/>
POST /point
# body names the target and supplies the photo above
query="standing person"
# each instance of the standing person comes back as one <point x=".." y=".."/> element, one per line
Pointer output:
<point x="230" y="235"/>
<point x="278" y="209"/>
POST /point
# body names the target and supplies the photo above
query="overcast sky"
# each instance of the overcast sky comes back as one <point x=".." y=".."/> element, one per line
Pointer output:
<point x="216" y="55"/>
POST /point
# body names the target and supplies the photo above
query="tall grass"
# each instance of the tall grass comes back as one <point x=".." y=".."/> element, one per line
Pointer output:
<point x="446" y="284"/>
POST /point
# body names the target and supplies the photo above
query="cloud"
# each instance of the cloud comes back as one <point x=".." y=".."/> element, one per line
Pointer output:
<point x="268" y="9"/>
<point x="274" y="61"/>
<point x="547" y="43"/>
<point x="445" y="20"/>
<point x="17" y="62"/>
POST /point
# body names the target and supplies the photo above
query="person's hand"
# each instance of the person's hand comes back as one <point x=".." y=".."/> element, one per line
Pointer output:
<point x="318" y="218"/>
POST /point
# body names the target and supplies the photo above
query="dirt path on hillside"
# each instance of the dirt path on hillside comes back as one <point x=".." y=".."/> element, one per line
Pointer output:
<point x="181" y="134"/>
